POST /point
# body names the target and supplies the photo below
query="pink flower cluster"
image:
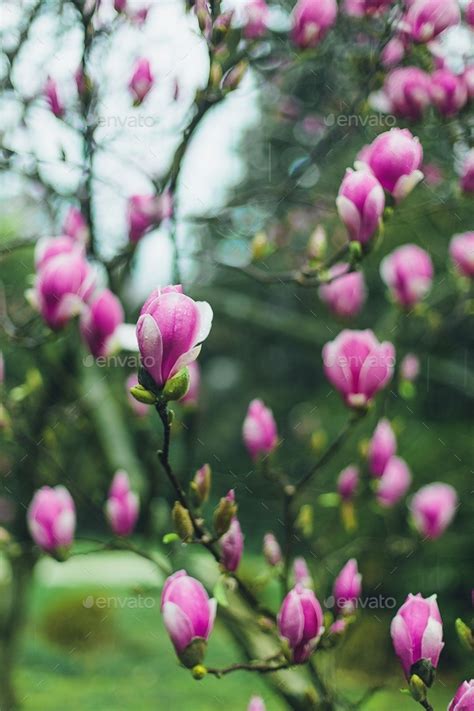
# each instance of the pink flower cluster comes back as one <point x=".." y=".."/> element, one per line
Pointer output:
<point x="392" y="471"/>
<point x="409" y="91"/>
<point x="390" y="163"/>
<point x="51" y="515"/>
<point x="65" y="286"/>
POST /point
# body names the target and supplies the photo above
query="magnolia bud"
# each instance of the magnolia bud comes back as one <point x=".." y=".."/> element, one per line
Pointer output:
<point x="317" y="244"/>
<point x="177" y="386"/>
<point x="417" y="688"/>
<point x="465" y="634"/>
<point x="224" y="513"/>
<point x="260" y="246"/>
<point x="199" y="672"/>
<point x="233" y="78"/>
<point x="142" y="395"/>
<point x="182" y="521"/>
<point x="201" y="484"/>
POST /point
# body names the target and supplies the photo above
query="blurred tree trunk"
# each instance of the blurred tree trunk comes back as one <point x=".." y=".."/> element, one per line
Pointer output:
<point x="10" y="626"/>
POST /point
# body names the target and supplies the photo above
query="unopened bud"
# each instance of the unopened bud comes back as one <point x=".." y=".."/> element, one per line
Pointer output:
<point x="199" y="671"/>
<point x="304" y="520"/>
<point x="417" y="688"/>
<point x="182" y="522"/>
<point x="233" y="78"/>
<point x="355" y="252"/>
<point x="260" y="246"/>
<point x="204" y="16"/>
<point x="216" y="74"/>
<point x="317" y="244"/>
<point x="201" y="484"/>
<point x="465" y="634"/>
<point x="221" y="26"/>
<point x="177" y="386"/>
<point x="224" y="513"/>
<point x="143" y="395"/>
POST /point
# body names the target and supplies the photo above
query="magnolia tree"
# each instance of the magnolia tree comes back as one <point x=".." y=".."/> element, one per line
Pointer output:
<point x="78" y="301"/>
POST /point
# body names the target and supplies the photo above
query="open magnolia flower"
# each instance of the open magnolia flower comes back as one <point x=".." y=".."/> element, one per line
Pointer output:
<point x="358" y="365"/>
<point x="170" y="331"/>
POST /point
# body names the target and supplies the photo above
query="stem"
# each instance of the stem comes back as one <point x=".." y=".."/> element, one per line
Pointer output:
<point x="262" y="667"/>
<point x="426" y="705"/>
<point x="331" y="450"/>
<point x="203" y="537"/>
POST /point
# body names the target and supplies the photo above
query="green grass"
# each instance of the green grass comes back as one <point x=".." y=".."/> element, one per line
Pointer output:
<point x="122" y="660"/>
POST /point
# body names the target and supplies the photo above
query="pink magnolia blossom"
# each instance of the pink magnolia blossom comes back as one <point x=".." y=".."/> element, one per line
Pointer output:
<point x="301" y="574"/>
<point x="141" y="81"/>
<point x="417" y="632"/>
<point x="48" y="247"/>
<point x="146" y="211"/>
<point x="467" y="174"/>
<point x="347" y="482"/>
<point x="469" y="15"/>
<point x="410" y="367"/>
<point x="51" y="518"/>
<point x="395" y="157"/>
<point x="339" y="626"/>
<point x="394" y="51"/>
<point x="300" y="622"/>
<point x="312" y="19"/>
<point x="448" y="92"/>
<point x="464" y="697"/>
<point x="99" y="322"/>
<point x="346" y="294"/>
<point x="191" y="398"/>
<point x="408" y="273"/>
<point x="255" y="19"/>
<point x="433" y="174"/>
<point x="357" y="365"/>
<point x="360" y="204"/>
<point x="271" y="550"/>
<point x="52" y="97"/>
<point x="256" y="704"/>
<point x="170" y="331"/>
<point x="468" y="79"/>
<point x="232" y="546"/>
<point x="122" y="506"/>
<point x="433" y="508"/>
<point x="188" y="615"/>
<point x="461" y="250"/>
<point x="75" y="226"/>
<point x="347" y="588"/>
<point x="259" y="430"/>
<point x="394" y="482"/>
<point x="425" y="19"/>
<point x="62" y="286"/>
<point x="139" y="408"/>
<point x="408" y="92"/>
<point x="382" y="447"/>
